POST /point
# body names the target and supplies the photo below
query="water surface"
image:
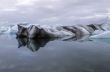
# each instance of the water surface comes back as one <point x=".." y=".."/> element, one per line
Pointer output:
<point x="49" y="55"/>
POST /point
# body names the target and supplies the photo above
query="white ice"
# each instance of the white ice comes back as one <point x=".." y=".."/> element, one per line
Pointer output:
<point x="105" y="34"/>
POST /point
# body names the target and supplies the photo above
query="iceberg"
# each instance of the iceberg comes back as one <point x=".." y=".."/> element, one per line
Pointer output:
<point x="106" y="26"/>
<point x="94" y="30"/>
<point x="11" y="29"/>
<point x="8" y="29"/>
<point x="105" y="34"/>
<point x="43" y="31"/>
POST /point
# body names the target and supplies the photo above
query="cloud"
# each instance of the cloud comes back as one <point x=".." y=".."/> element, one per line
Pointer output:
<point x="54" y="11"/>
<point x="9" y="9"/>
<point x="25" y="2"/>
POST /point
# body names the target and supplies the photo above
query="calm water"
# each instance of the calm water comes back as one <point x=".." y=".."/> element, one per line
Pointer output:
<point x="22" y="55"/>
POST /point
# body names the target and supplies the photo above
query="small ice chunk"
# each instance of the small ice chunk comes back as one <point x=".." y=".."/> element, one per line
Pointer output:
<point x="105" y="34"/>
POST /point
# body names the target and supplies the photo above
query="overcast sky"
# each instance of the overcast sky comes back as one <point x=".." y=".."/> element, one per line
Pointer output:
<point x="54" y="11"/>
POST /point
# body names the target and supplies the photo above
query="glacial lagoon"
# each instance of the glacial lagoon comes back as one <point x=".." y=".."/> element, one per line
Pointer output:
<point x="54" y="55"/>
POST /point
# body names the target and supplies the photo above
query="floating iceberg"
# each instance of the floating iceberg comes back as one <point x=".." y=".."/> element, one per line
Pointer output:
<point x="106" y="26"/>
<point x="44" y="31"/>
<point x="96" y="30"/>
<point x="12" y="29"/>
<point x="8" y="29"/>
<point x="105" y="34"/>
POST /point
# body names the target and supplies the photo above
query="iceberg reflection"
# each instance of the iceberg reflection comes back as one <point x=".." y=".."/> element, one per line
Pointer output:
<point x="36" y="44"/>
<point x="32" y="44"/>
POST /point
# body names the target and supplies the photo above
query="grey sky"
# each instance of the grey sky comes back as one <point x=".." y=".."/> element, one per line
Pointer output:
<point x="54" y="11"/>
